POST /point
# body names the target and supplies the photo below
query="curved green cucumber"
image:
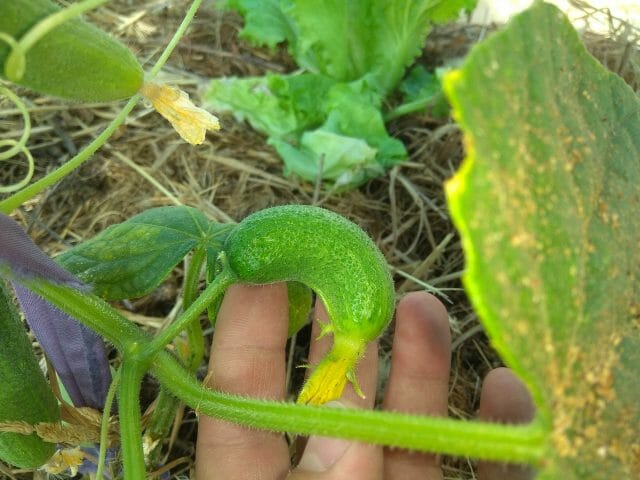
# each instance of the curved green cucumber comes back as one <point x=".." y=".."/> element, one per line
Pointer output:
<point x="25" y="395"/>
<point x="336" y="259"/>
<point x="74" y="60"/>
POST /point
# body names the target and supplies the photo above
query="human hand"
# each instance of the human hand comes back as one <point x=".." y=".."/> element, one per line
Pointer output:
<point x="247" y="358"/>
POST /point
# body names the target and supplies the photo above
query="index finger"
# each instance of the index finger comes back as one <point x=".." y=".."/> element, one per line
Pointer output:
<point x="247" y="358"/>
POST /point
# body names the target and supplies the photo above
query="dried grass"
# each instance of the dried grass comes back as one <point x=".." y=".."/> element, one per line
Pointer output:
<point x="236" y="173"/>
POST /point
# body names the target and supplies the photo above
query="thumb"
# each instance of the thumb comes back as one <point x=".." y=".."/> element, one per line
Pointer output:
<point x="321" y="453"/>
<point x="340" y="459"/>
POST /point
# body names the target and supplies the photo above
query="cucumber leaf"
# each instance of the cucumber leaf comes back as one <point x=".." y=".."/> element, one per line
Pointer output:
<point x="130" y="259"/>
<point x="547" y="205"/>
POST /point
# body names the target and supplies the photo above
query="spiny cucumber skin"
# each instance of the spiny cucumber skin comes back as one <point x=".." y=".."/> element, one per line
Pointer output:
<point x="75" y="60"/>
<point x="25" y="395"/>
<point x="326" y="252"/>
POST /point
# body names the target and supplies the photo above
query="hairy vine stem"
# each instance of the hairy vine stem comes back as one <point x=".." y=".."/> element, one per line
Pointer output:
<point x="490" y="441"/>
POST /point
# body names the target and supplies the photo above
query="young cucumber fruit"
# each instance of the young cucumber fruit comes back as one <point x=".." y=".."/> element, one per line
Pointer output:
<point x="337" y="260"/>
<point x="74" y="60"/>
<point x="25" y="395"/>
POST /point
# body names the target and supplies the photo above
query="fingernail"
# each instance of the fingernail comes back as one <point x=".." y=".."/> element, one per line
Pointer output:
<point x="321" y="453"/>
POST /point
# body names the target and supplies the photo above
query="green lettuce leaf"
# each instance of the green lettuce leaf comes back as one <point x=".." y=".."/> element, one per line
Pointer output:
<point x="399" y="33"/>
<point x="277" y="105"/>
<point x="349" y="40"/>
<point x="265" y="21"/>
<point x="315" y="124"/>
<point x="328" y="118"/>
<point x="345" y="160"/>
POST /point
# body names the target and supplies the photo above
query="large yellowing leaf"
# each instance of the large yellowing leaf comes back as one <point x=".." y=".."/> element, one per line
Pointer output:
<point x="548" y="206"/>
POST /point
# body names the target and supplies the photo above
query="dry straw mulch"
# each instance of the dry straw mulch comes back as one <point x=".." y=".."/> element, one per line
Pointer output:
<point x="235" y="172"/>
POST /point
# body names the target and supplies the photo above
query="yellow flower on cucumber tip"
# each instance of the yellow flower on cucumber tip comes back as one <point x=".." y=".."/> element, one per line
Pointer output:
<point x="189" y="121"/>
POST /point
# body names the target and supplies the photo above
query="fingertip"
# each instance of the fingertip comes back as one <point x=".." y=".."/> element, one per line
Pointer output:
<point x="419" y="376"/>
<point x="424" y="303"/>
<point x="422" y="339"/>
<point x="504" y="398"/>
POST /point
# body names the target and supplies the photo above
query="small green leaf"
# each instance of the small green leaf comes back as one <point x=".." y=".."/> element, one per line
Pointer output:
<point x="277" y="105"/>
<point x="341" y="158"/>
<point x="132" y="258"/>
<point x="419" y="84"/>
<point x="422" y="91"/>
<point x="547" y="204"/>
<point x="264" y="21"/>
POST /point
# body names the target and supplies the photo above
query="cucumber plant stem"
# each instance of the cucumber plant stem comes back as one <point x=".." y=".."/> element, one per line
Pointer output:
<point x="189" y="295"/>
<point x="164" y="56"/>
<point x="209" y="294"/>
<point x="489" y="441"/>
<point x="508" y="443"/>
<point x="104" y="424"/>
<point x="164" y="412"/>
<point x="131" y="372"/>
<point x="167" y="404"/>
<point x="94" y="312"/>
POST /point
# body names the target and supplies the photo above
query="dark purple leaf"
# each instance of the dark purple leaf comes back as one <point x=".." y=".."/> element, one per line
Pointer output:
<point x="77" y="353"/>
<point x="25" y="259"/>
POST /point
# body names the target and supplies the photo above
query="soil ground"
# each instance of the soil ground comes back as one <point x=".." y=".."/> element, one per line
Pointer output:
<point x="235" y="173"/>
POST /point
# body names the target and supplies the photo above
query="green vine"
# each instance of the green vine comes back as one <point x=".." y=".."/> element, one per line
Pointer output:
<point x="131" y="375"/>
<point x="490" y="441"/>
<point x="17" y="146"/>
<point x="167" y="404"/>
<point x="104" y="425"/>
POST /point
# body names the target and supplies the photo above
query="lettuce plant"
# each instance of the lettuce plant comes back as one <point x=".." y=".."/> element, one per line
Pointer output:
<point x="327" y="118"/>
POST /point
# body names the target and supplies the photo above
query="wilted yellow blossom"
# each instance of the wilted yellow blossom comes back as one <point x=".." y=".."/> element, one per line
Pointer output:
<point x="63" y="459"/>
<point x="190" y="122"/>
